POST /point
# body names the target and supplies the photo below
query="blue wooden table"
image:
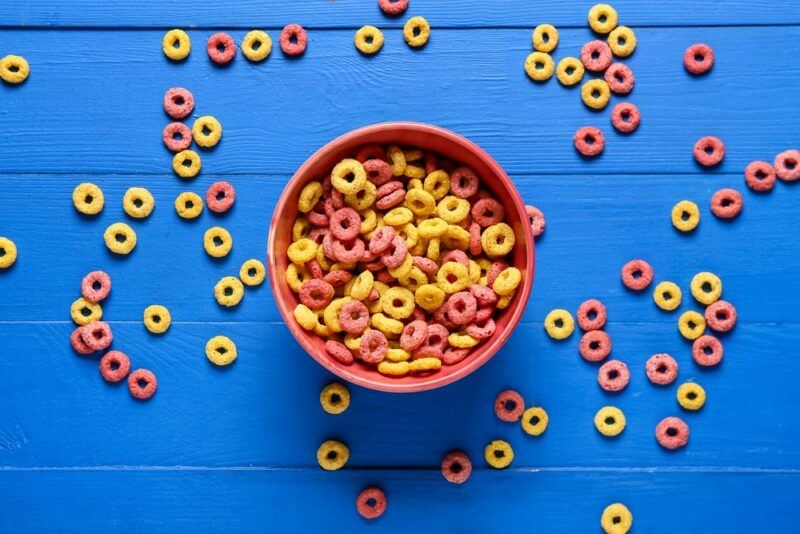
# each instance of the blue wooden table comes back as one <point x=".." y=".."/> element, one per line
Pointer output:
<point x="233" y="449"/>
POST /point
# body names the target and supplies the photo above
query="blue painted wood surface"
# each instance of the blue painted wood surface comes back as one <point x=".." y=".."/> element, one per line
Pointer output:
<point x="234" y="449"/>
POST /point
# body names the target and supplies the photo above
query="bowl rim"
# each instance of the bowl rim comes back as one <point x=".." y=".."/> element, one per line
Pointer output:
<point x="435" y="380"/>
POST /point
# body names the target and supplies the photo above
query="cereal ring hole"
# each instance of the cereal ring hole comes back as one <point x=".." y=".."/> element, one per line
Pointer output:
<point x="534" y="420"/>
<point x="589" y="138"/>
<point x="560" y="324"/>
<point x="332" y="455"/>
<point x="723" y="315"/>
<point x="187" y="162"/>
<point x="188" y="204"/>
<point x="85" y="311"/>
<point x="570" y="70"/>
<point x="335" y="398"/>
<point x="662" y="368"/>
<point x="691" y="395"/>
<point x="371" y="502"/>
<point x="613" y="374"/>
<point x="88" y="199"/>
<point x="142" y="383"/>
<point x="790" y="163"/>
<point x="121" y="238"/>
<point x="499" y="453"/>
<point x="594" y="345"/>
<point x="621" y="40"/>
<point x="708" y="350"/>
<point x="217" y="241"/>
<point x="699" y="57"/>
<point x="666" y="295"/>
<point x="252" y="271"/>
<point x="706" y="287"/>
<point x="672" y="431"/>
<point x="616" y="519"/>
<point x="456" y="467"/>
<point x="510" y="405"/>
<point x="595" y="54"/>
<point x="13" y="67"/>
<point x="221" y="350"/>
<point x="610" y="420"/>
<point x="178" y="100"/>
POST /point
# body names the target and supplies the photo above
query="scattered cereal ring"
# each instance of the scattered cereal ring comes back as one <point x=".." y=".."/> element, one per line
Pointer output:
<point x="176" y="136"/>
<point x="217" y="242"/>
<point x="613" y="375"/>
<point x="256" y="45"/>
<point x="371" y="502"/>
<point x="596" y="56"/>
<point x="594" y="346"/>
<point x="142" y="384"/>
<point x="8" y="253"/>
<point x="188" y="205"/>
<point x="84" y="312"/>
<point x="592" y="315"/>
<point x="88" y="199"/>
<point x="698" y="59"/>
<point x="369" y="40"/>
<point x="616" y="519"/>
<point x="456" y="467"/>
<point x="416" y="32"/>
<point x="760" y="176"/>
<point x="498" y="454"/>
<point x="293" y="40"/>
<point x="186" y="164"/>
<point x="14" y="69"/>
<point x="691" y="396"/>
<point x="539" y="66"/>
<point x="709" y="151"/>
<point x="619" y="78"/>
<point x="622" y="41"/>
<point x="589" y="141"/>
<point x="625" y="117"/>
<point x="393" y="7"/>
<point x="176" y="45"/>
<point x="252" y="273"/>
<point x="334" y="398"/>
<point x="720" y="316"/>
<point x="726" y="203"/>
<point x="595" y="94"/>
<point x="685" y="216"/>
<point x="120" y="238"/>
<point x="339" y="352"/>
<point x="559" y="324"/>
<point x="229" y="291"/>
<point x="667" y="296"/>
<point x="221" y="48"/>
<point x="661" y="369"/>
<point x="178" y="102"/>
<point x="637" y="275"/>
<point x="95" y="286"/>
<point x="691" y="324"/>
<point x="157" y="319"/>
<point x="509" y="406"/>
<point x="706" y="288"/>
<point x="672" y="433"/>
<point x="609" y="421"/>
<point x="536" y="220"/>
<point x="602" y="18"/>
<point x="545" y="38"/>
<point x="787" y="165"/>
<point x="97" y="335"/>
<point x="332" y="455"/>
<point x="534" y="421"/>
<point x="138" y="202"/>
<point x="207" y="131"/>
<point x="220" y="350"/>
<point x="569" y="71"/>
<point x="220" y="197"/>
<point x="114" y="366"/>
<point x="76" y="341"/>
<point x="707" y="351"/>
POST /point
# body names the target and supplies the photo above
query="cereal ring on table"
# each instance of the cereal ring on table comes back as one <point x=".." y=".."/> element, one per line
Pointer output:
<point x="114" y="366"/>
<point x="672" y="433"/>
<point x="787" y="165"/>
<point x="498" y="454"/>
<point x="535" y="219"/>
<point x="293" y="40"/>
<point x="229" y="291"/>
<point x="595" y="345"/>
<point x="221" y="48"/>
<point x="609" y="421"/>
<point x="354" y="317"/>
<point x="461" y="308"/>
<point x="378" y="171"/>
<point x="368" y="40"/>
<point x="207" y="131"/>
<point x="157" y="319"/>
<point x="539" y="66"/>
<point x="721" y="316"/>
<point x="507" y="281"/>
<point x="545" y="38"/>
<point x="602" y="18"/>
<point x="456" y="467"/>
<point x="709" y="151"/>
<point x="707" y="351"/>
<point x="661" y="369"/>
<point x="691" y="396"/>
<point x="616" y="519"/>
<point x="393" y="7"/>
<point x="339" y="352"/>
<point x="595" y="94"/>
<point x="464" y="182"/>
<point x="220" y="197"/>
<point x="570" y="71"/>
<point x="373" y="347"/>
<point x="622" y="41"/>
<point x="596" y="56"/>
<point x="429" y="297"/>
<point x="178" y="102"/>
<point x="88" y="199"/>
<point x="334" y="398"/>
<point x="452" y="277"/>
<point x="97" y="335"/>
<point x="559" y="324"/>
<point x="420" y="202"/>
<point x="138" y="202"/>
<point x="685" y="216"/>
<point x="220" y="350"/>
<point x="637" y="275"/>
<point x="371" y="502"/>
<point x="619" y="78"/>
<point x="95" y="286"/>
<point x="218" y="242"/>
<point x="142" y="384"/>
<point x="706" y="288"/>
<point x="188" y="205"/>
<point x="589" y="141"/>
<point x="176" y="45"/>
<point x="394" y="368"/>
<point x="332" y="455"/>
<point x="120" y="238"/>
<point x="314" y="293"/>
<point x="498" y="240"/>
<point x="760" y="176"/>
<point x="625" y="117"/>
<point x="416" y="32"/>
<point x="345" y="224"/>
<point x="509" y="406"/>
<point x="256" y="45"/>
<point x="534" y="421"/>
<point x="14" y="69"/>
<point x="667" y="296"/>
<point x="698" y="59"/>
<point x="691" y="324"/>
<point x="348" y="177"/>
<point x="425" y="364"/>
<point x="186" y="164"/>
<point x="76" y="341"/>
<point x="592" y="315"/>
<point x="613" y="375"/>
<point x="398" y="302"/>
<point x="413" y="335"/>
<point x="726" y="203"/>
<point x="83" y="311"/>
<point x="176" y="136"/>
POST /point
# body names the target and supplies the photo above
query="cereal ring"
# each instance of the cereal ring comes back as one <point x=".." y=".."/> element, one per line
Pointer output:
<point x="507" y="281"/>
<point x="188" y="205"/>
<point x="309" y="197"/>
<point x="371" y="151"/>
<point x="595" y="345"/>
<point x="691" y="396"/>
<point x="619" y="78"/>
<point x="545" y="38"/>
<point x="698" y="59"/>
<point x="485" y="296"/>
<point x="596" y="56"/>
<point x="362" y="286"/>
<point x="373" y="347"/>
<point x="332" y="455"/>
<point x="157" y="319"/>
<point x="535" y="219"/>
<point x="382" y="240"/>
<point x="691" y="324"/>
<point x="339" y="352"/>
<point x="176" y="136"/>
<point x="369" y="40"/>
<point x="498" y="240"/>
<point x="97" y="335"/>
<point x="589" y="141"/>
<point x="334" y="398"/>
<point x="672" y="433"/>
<point x="569" y="71"/>
<point x="760" y="176"/>
<point x="293" y="40"/>
<point x="622" y="41"/>
<point x="114" y="366"/>
<point x="429" y="297"/>
<point x="461" y="308"/>
<point x="721" y="316"/>
<point x="602" y="18"/>
<point x="178" y="102"/>
<point x="452" y="277"/>
<point x="220" y="350"/>
<point x="348" y="251"/>
<point x="613" y="375"/>
<point x="14" y="69"/>
<point x="348" y="177"/>
<point x="661" y="369"/>
<point x="393" y="7"/>
<point x="176" y="45"/>
<point x="83" y="311"/>
<point x="706" y="288"/>
<point x="461" y="340"/>
<point x="314" y="293"/>
<point x="221" y="48"/>
<point x="395" y="255"/>
<point x="595" y="94"/>
<point x="707" y="351"/>
<point x="667" y="296"/>
<point x="559" y="324"/>
<point x="616" y="519"/>
<point x="138" y="202"/>
<point x="498" y="454"/>
<point x="435" y="342"/>
<point x="371" y="502"/>
<point x="726" y="203"/>
<point x="186" y="164"/>
<point x="488" y="212"/>
<point x="207" y="131"/>
<point x="77" y="343"/>
<point x="120" y="238"/>
<point x="685" y="216"/>
<point x="609" y="421"/>
<point x="229" y="291"/>
<point x="452" y="209"/>
<point x="397" y="160"/>
<point x="394" y="368"/>
<point x="625" y="117"/>
<point x="354" y="317"/>
<point x="426" y="363"/>
<point x="416" y="32"/>
<point x="142" y="384"/>
<point x="709" y="151"/>
<point x="509" y="406"/>
<point x="220" y="197"/>
<point x="456" y="467"/>
<point x="452" y="355"/>
<point x="534" y="421"/>
<point x="481" y="329"/>
<point x="378" y="171"/>
<point x="420" y="202"/>
<point x="95" y="286"/>
<point x="88" y="199"/>
<point x="464" y="182"/>
<point x="787" y="165"/>
<point x="592" y="315"/>
<point x="475" y="246"/>
<point x="218" y="242"/>
<point x="345" y="224"/>
<point x="539" y="66"/>
<point x="398" y="302"/>
<point x="256" y="45"/>
<point x="637" y="275"/>
<point x="437" y="184"/>
<point x="413" y="335"/>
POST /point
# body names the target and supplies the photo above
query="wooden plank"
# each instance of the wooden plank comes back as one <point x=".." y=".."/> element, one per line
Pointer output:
<point x="472" y="81"/>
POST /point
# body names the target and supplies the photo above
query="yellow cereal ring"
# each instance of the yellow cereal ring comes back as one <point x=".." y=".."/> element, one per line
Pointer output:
<point x="534" y="421"/>
<point x="559" y="324"/>
<point x="342" y="266"/>
<point x="622" y="41"/>
<point x="229" y="291"/>
<point x="369" y="220"/>
<point x="176" y="45"/>
<point x="348" y="177"/>
<point x="503" y="302"/>
<point x="206" y="131"/>
<point x="120" y="238"/>
<point x="393" y="368"/>
<point x="300" y="228"/>
<point x="398" y="302"/>
<point x="609" y="421"/>
<point x="309" y="197"/>
<point x="570" y="71"/>
<point x="460" y="340"/>
<point x="456" y="238"/>
<point x="218" y="242"/>
<point x="320" y="329"/>
<point x="157" y="319"/>
<point x="332" y="455"/>
<point x="398" y="216"/>
<point x="8" y="253"/>
<point x="434" y="249"/>
<point x="507" y="281"/>
<point x="429" y="297"/>
<point x="14" y="69"/>
<point x="414" y="279"/>
<point x="691" y="324"/>
<point x="685" y="216"/>
<point x="706" y="288"/>
<point x="452" y="277"/>
<point x="334" y="398"/>
<point x="88" y="199"/>
<point x="498" y="240"/>
<point x="437" y="184"/>
<point x="545" y="38"/>
<point x="306" y="318"/>
<point x="186" y="164"/>
<point x="322" y="259"/>
<point x="421" y="365"/>
<point x="352" y="342"/>
<point x="414" y="172"/>
<point x="452" y="209"/>
<point x="295" y="276"/>
<point x="485" y="264"/>
<point x="362" y="285"/>
<point x="414" y="155"/>
<point x="602" y="18"/>
<point x="396" y="354"/>
<point x="498" y="454"/>
<point x="404" y="269"/>
<point x="397" y="159"/>
<point x="410" y="234"/>
<point x="667" y="296"/>
<point x="539" y="66"/>
<point x="379" y="223"/>
<point x="362" y="199"/>
<point x="252" y="272"/>
<point x="595" y="94"/>
<point x="220" y="350"/>
<point x="189" y="205"/>
<point x="474" y="272"/>
<point x="84" y="312"/>
<point x="616" y="519"/>
<point x="420" y="248"/>
<point x="369" y="40"/>
<point x="416" y="32"/>
<point x="387" y="325"/>
<point x="331" y="314"/>
<point x="414" y="183"/>
<point x="420" y="202"/>
<point x="431" y="228"/>
<point x="302" y="251"/>
<point x="256" y="45"/>
<point x="691" y="396"/>
<point x="138" y="202"/>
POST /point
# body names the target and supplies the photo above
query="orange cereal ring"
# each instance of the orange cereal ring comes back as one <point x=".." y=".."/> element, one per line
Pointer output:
<point x="142" y="384"/>
<point x="456" y="467"/>
<point x="709" y="151"/>
<point x="589" y="141"/>
<point x="721" y="316"/>
<point x="672" y="433"/>
<point x="596" y="56"/>
<point x="726" y="203"/>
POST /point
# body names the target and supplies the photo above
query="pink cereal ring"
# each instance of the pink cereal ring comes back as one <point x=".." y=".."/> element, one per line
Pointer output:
<point x="142" y="384"/>
<point x="345" y="224"/>
<point x="378" y="171"/>
<point x="395" y="198"/>
<point x="413" y="335"/>
<point x="707" y="351"/>
<point x="431" y="163"/>
<point x="596" y="56"/>
<point x="339" y="352"/>
<point x="337" y="278"/>
<point x="637" y="274"/>
<point x="384" y="277"/>
<point x="484" y="295"/>
<point x="375" y="265"/>
<point x="221" y="48"/>
<point x="435" y="342"/>
<point x="371" y="502"/>
<point x="440" y="317"/>
<point x="114" y="366"/>
<point x="475" y="246"/>
<point x="97" y="335"/>
<point x="454" y="355"/>
<point x="370" y="151"/>
<point x="393" y="7"/>
<point x="787" y="165"/>
<point x="220" y="197"/>
<point x="426" y="265"/>
<point x="535" y="219"/>
<point x="592" y="315"/>
<point x="395" y="254"/>
<point x="96" y="286"/>
<point x="721" y="316"/>
<point x="509" y="406"/>
<point x="348" y="251"/>
<point x="595" y="345"/>
<point x="178" y="102"/>
<point x="354" y="317"/>
<point x="315" y="268"/>
<point x="496" y="267"/>
<point x="726" y="203"/>
<point x="589" y="141"/>
<point x="619" y="78"/>
<point x="625" y="117"/>
<point x="464" y="182"/>
<point x="76" y="341"/>
<point x="461" y="308"/>
<point x="374" y="347"/>
<point x="176" y="136"/>
<point x="457" y="256"/>
<point x="760" y="176"/>
<point x="672" y="433"/>
<point x="456" y="467"/>
<point x="318" y="235"/>
<point x="698" y="59"/>
<point x="613" y="375"/>
<point x="381" y="240"/>
<point x="318" y="216"/>
<point x="709" y="151"/>
<point x="661" y="369"/>
<point x="483" y="314"/>
<point x="488" y="211"/>
<point x="388" y="187"/>
<point x="316" y="293"/>
<point x="293" y="40"/>
<point x="481" y="330"/>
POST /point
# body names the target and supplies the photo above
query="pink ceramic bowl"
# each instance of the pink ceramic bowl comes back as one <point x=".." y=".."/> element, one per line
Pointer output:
<point x="450" y="146"/>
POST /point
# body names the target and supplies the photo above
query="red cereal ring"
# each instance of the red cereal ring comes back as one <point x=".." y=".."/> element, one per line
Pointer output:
<point x="709" y="151"/>
<point x="220" y="197"/>
<point x="464" y="182"/>
<point x="178" y="102"/>
<point x="456" y="467"/>
<point x="339" y="352"/>
<point x="348" y="251"/>
<point x="221" y="48"/>
<point x="345" y="224"/>
<point x="589" y="141"/>
<point x="315" y="268"/>
<point x="435" y="342"/>
<point x="535" y="219"/>
<point x="726" y="203"/>
<point x="393" y="7"/>
<point x="378" y="171"/>
<point x="661" y="369"/>
<point x="787" y="165"/>
<point x="382" y="240"/>
<point x="440" y="317"/>
<point x="293" y="40"/>
<point x="487" y="212"/>
<point x="337" y="278"/>
<point x="395" y="253"/>
<point x="456" y="256"/>
<point x="484" y="314"/>
<point x="596" y="56"/>
<point x="316" y="293"/>
<point x="760" y="176"/>
<point x="592" y="315"/>
<point x="354" y="317"/>
<point x="431" y="163"/>
<point x="317" y="235"/>
<point x="698" y="59"/>
<point x="426" y="265"/>
<point x="418" y="314"/>
<point x="376" y="265"/>
<point x="672" y="433"/>
<point x="114" y="366"/>
<point x="95" y="286"/>
<point x="142" y="384"/>
<point x="371" y="502"/>
<point x="177" y="136"/>
<point x="484" y="295"/>
<point x="637" y="274"/>
<point x="509" y="406"/>
<point x="374" y="347"/>
<point x="613" y="375"/>
<point x="475" y="245"/>
<point x="454" y="355"/>
<point x="483" y="329"/>
<point x="76" y="341"/>
<point x="370" y="151"/>
<point x="384" y="277"/>
<point x="496" y="267"/>
<point x="337" y="199"/>
<point x="595" y="345"/>
<point x="318" y="216"/>
<point x="460" y="308"/>
<point x="97" y="335"/>
<point x="619" y="78"/>
<point x="387" y="188"/>
<point x="707" y="351"/>
<point x="413" y="335"/>
<point x="395" y="198"/>
<point x="625" y="117"/>
<point x="721" y="316"/>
